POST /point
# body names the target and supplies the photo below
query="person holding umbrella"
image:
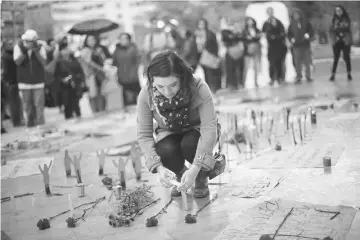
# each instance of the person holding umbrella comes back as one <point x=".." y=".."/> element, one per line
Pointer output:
<point x="92" y="58"/>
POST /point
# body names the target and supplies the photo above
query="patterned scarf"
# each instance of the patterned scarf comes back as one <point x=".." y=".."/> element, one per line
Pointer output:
<point x="175" y="112"/>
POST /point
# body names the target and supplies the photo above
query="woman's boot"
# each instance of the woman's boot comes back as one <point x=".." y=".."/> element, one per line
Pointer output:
<point x="201" y="189"/>
<point x="174" y="191"/>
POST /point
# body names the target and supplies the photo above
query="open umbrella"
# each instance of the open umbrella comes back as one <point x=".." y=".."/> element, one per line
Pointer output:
<point x="93" y="27"/>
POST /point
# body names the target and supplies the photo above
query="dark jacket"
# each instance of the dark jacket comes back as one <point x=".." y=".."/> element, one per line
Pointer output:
<point x="126" y="59"/>
<point x="31" y="70"/>
<point x="297" y="31"/>
<point x="9" y="67"/>
<point x="189" y="51"/>
<point x="64" y="68"/>
<point x="275" y="35"/>
<point x="230" y="38"/>
<point x="340" y="30"/>
<point x="211" y="44"/>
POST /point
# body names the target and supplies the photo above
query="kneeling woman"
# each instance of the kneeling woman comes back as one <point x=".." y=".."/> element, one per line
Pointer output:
<point x="186" y="124"/>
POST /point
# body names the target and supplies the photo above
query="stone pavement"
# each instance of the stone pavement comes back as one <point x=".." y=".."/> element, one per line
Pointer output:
<point x="294" y="174"/>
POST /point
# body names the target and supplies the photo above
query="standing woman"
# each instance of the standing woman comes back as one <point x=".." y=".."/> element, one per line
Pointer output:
<point x="341" y="38"/>
<point x="208" y="48"/>
<point x="126" y="59"/>
<point x="252" y="37"/>
<point x="93" y="57"/>
<point x="186" y="124"/>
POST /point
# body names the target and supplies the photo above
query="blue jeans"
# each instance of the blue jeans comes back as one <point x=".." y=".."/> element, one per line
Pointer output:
<point x="33" y="101"/>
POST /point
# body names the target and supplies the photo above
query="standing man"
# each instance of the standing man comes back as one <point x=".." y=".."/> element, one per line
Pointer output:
<point x="275" y="35"/>
<point x="300" y="33"/>
<point x="30" y="58"/>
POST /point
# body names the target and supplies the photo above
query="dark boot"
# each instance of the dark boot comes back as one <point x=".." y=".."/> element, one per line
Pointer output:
<point x="174" y="191"/>
<point x="201" y="189"/>
<point x="349" y="77"/>
<point x="332" y="77"/>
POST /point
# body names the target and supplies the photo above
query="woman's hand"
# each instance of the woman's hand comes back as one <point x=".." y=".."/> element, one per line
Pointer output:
<point x="164" y="176"/>
<point x="188" y="178"/>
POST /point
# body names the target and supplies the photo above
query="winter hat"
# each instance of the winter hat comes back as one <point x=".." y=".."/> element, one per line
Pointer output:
<point x="30" y="35"/>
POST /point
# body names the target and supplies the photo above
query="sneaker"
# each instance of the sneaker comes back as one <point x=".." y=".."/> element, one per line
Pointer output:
<point x="332" y="78"/>
<point x="349" y="77"/>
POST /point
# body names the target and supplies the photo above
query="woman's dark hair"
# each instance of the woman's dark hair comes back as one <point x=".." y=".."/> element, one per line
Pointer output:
<point x="97" y="40"/>
<point x="205" y="22"/>
<point x="127" y="35"/>
<point x="253" y="20"/>
<point x="166" y="64"/>
<point x="345" y="14"/>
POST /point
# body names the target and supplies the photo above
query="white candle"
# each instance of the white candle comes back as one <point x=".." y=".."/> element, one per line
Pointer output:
<point x="32" y="201"/>
<point x="184" y="200"/>
<point x="71" y="206"/>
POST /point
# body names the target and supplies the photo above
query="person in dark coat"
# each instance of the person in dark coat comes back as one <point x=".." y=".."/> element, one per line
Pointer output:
<point x="341" y="39"/>
<point x="69" y="73"/>
<point x="300" y="33"/>
<point x="10" y="80"/>
<point x="126" y="59"/>
<point x="234" y="58"/>
<point x="252" y="37"/>
<point x="275" y="35"/>
<point x="206" y="40"/>
<point x="189" y="50"/>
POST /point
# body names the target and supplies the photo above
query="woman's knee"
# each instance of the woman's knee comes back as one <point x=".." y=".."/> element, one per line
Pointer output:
<point x="169" y="147"/>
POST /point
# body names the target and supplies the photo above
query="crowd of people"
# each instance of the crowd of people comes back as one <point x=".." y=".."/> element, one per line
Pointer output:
<point x="36" y="73"/>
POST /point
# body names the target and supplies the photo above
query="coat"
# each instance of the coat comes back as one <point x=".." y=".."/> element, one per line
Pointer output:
<point x="202" y="116"/>
<point x="126" y="59"/>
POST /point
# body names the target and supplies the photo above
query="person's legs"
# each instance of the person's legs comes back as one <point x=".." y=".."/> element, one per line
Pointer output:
<point x="307" y="62"/>
<point x="27" y="102"/>
<point x="169" y="150"/>
<point x="15" y="105"/>
<point x="297" y="56"/>
<point x="230" y="68"/>
<point x="272" y="69"/>
<point x="39" y="102"/>
<point x="189" y="144"/>
<point x="240" y="73"/>
<point x="336" y="52"/>
<point x="346" y="57"/>
<point x="67" y="103"/>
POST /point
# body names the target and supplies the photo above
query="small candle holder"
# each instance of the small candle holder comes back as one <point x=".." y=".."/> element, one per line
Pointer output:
<point x="81" y="189"/>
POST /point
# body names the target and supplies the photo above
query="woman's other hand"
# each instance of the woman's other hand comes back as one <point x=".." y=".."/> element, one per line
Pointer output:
<point x="188" y="178"/>
<point x="164" y="176"/>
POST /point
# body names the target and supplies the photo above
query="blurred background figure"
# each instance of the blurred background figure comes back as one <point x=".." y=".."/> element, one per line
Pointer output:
<point x="69" y="73"/>
<point x="9" y="84"/>
<point x="208" y="49"/>
<point x="234" y="58"/>
<point x="93" y="56"/>
<point x="52" y="84"/>
<point x="341" y="39"/>
<point x="157" y="40"/>
<point x="300" y="34"/>
<point x="126" y="59"/>
<point x="30" y="58"/>
<point x="189" y="50"/>
<point x="252" y="37"/>
<point x="277" y="49"/>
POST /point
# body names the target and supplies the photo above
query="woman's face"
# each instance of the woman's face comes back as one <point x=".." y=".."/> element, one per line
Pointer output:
<point x="124" y="40"/>
<point x="339" y="11"/>
<point x="167" y="86"/>
<point x="249" y="22"/>
<point x="91" y="41"/>
<point x="201" y="24"/>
